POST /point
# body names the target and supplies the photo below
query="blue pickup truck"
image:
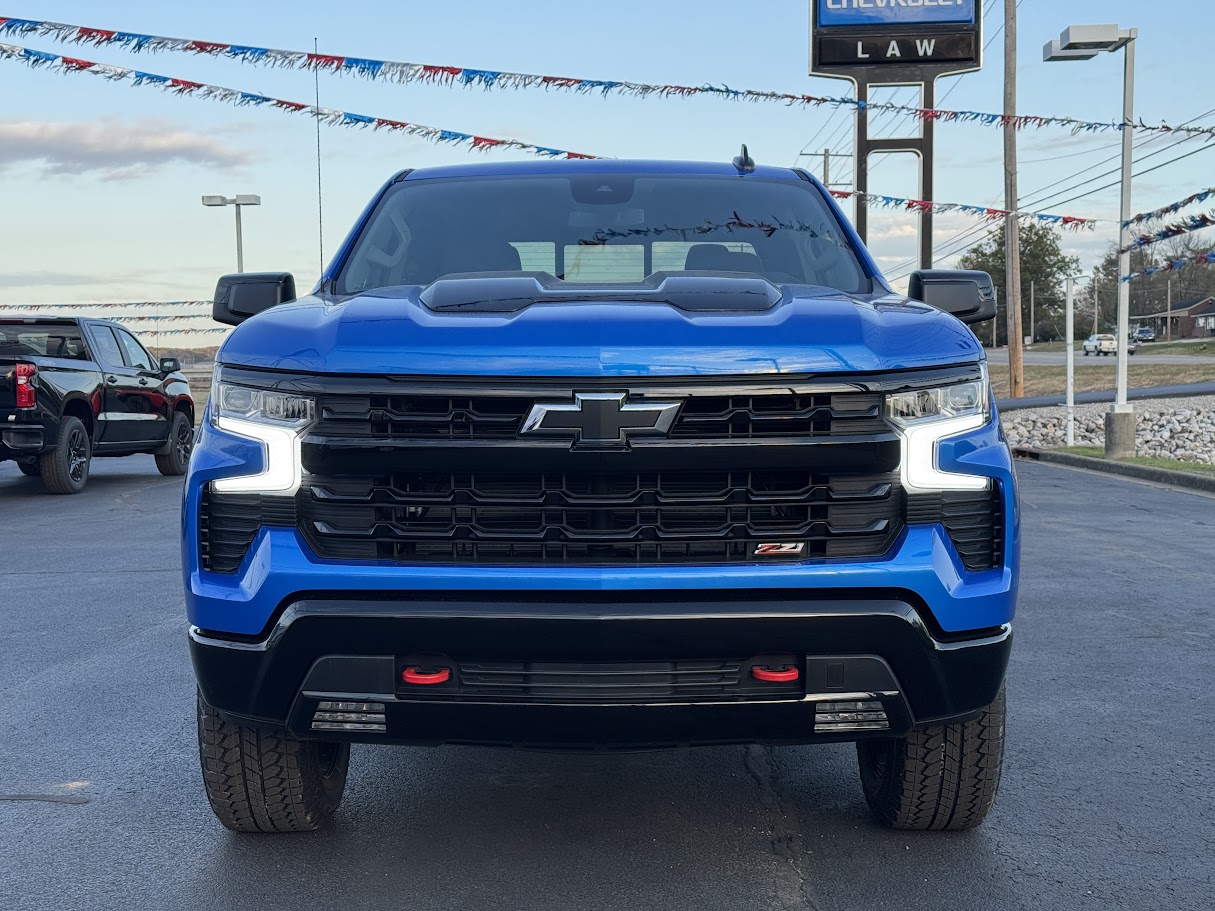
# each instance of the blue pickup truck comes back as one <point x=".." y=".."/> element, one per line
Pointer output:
<point x="601" y="455"/>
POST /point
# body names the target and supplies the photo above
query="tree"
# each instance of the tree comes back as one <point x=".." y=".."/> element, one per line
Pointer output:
<point x="1149" y="294"/>
<point x="1042" y="262"/>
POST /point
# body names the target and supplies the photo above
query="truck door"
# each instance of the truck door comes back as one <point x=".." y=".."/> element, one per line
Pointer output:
<point x="148" y="404"/>
<point x="119" y="384"/>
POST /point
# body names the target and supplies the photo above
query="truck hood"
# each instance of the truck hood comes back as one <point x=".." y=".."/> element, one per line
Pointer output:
<point x="390" y="331"/>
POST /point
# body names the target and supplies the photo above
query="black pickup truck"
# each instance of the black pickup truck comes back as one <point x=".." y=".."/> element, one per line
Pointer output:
<point x="72" y="389"/>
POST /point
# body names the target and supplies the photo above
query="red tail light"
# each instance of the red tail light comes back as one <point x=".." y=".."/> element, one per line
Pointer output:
<point x="27" y="395"/>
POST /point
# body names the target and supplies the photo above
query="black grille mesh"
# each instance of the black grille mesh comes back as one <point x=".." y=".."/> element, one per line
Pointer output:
<point x="585" y="518"/>
<point x="500" y="417"/>
<point x="608" y="683"/>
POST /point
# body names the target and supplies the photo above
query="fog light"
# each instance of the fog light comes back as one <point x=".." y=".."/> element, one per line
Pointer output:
<point x="850" y="715"/>
<point x="349" y="716"/>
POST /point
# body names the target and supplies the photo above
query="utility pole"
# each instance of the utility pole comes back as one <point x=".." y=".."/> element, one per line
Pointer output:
<point x="827" y="168"/>
<point x="1032" y="337"/>
<point x="1012" y="225"/>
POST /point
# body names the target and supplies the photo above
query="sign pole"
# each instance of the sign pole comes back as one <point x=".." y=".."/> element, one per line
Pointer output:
<point x="890" y="44"/>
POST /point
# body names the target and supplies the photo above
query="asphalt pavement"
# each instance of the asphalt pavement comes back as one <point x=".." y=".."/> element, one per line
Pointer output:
<point x="1105" y="803"/>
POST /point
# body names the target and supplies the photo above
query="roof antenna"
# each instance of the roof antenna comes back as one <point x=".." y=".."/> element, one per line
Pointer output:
<point x="744" y="162"/>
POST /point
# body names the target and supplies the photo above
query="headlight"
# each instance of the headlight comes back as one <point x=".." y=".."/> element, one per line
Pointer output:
<point x="939" y="404"/>
<point x="924" y="417"/>
<point x="263" y="406"/>
<point x="275" y="419"/>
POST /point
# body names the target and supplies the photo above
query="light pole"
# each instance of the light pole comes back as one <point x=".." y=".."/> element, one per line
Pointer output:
<point x="237" y="201"/>
<point x="1071" y="362"/>
<point x="1084" y="42"/>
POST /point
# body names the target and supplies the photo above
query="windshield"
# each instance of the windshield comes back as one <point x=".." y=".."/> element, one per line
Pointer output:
<point x="602" y="229"/>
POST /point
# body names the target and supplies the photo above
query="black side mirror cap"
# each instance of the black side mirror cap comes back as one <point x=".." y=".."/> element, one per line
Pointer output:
<point x="970" y="296"/>
<point x="240" y="296"/>
<point x="169" y="365"/>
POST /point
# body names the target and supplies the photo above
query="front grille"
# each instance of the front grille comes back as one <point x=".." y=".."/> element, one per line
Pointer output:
<point x="606" y="683"/>
<point x="600" y="518"/>
<point x="500" y="417"/>
<point x="974" y="521"/>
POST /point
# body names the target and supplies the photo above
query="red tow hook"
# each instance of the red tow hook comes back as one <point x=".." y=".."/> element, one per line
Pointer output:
<point x="788" y="675"/>
<point x="423" y="678"/>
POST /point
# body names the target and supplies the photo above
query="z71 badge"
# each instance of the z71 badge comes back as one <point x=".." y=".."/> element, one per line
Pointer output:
<point x="782" y="550"/>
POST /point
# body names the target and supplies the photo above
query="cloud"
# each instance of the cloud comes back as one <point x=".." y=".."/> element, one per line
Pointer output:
<point x="115" y="150"/>
<point x="43" y="279"/>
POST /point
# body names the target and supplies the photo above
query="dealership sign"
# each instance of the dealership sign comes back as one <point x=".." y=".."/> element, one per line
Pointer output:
<point x="895" y="41"/>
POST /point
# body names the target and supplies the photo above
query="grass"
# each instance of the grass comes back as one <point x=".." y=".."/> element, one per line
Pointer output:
<point x="1053" y="380"/>
<point x="1096" y="452"/>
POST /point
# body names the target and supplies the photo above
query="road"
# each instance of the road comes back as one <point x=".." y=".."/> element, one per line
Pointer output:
<point x="1059" y="358"/>
<point x="1105" y="801"/>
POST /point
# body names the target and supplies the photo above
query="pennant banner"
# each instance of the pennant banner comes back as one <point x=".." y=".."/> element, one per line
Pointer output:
<point x="36" y="59"/>
<point x="159" y="332"/>
<point x="1174" y="266"/>
<point x="1172" y="209"/>
<point x="136" y="305"/>
<point x="1176" y="229"/>
<point x="403" y="72"/>
<point x="923" y="205"/>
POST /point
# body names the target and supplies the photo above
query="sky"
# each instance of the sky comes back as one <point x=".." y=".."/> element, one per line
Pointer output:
<point x="100" y="182"/>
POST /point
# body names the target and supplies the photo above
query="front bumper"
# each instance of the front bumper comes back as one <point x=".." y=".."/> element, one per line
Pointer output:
<point x="350" y="652"/>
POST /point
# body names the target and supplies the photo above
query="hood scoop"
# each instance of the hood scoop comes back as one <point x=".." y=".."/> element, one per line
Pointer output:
<point x="513" y="292"/>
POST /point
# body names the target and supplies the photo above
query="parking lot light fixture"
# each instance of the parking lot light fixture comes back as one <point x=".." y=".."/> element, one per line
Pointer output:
<point x="1084" y="42"/>
<point x="248" y="199"/>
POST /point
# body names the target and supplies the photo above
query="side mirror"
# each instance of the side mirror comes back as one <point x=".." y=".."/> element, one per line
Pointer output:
<point x="240" y="296"/>
<point x="169" y="365"/>
<point x="970" y="296"/>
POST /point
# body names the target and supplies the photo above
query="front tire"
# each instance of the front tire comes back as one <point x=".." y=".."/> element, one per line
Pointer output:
<point x="181" y="442"/>
<point x="29" y="469"/>
<point x="65" y="469"/>
<point x="268" y="781"/>
<point x="943" y="777"/>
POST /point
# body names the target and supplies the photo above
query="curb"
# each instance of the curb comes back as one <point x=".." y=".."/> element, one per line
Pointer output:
<point x="1101" y="398"/>
<point x="1166" y="476"/>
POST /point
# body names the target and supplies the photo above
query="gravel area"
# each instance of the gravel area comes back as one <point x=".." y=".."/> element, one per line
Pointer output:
<point x="1181" y="429"/>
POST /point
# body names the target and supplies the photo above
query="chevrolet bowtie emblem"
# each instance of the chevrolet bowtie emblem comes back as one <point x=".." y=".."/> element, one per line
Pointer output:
<point x="601" y="419"/>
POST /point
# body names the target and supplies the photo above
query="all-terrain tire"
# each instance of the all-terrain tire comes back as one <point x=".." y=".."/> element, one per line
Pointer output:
<point x="65" y="469"/>
<point x="29" y="469"/>
<point x="181" y="443"/>
<point x="944" y="777"/>
<point x="267" y="781"/>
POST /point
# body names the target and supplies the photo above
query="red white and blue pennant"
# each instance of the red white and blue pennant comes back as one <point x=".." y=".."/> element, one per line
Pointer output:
<point x="988" y="214"/>
<point x="36" y="59"/>
<point x="404" y="73"/>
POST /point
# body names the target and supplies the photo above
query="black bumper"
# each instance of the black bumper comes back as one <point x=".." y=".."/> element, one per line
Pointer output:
<point x="350" y="654"/>
<point x="20" y="440"/>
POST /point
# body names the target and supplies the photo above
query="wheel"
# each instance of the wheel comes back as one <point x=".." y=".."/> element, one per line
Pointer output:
<point x="267" y="781"/>
<point x="181" y="443"/>
<point x="1086" y="352"/>
<point x="65" y="469"/>
<point x="29" y="469"/>
<point x="944" y="777"/>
